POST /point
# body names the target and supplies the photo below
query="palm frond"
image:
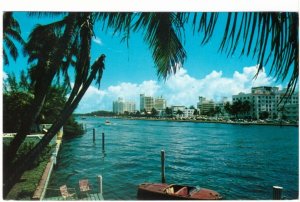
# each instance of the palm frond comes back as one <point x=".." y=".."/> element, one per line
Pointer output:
<point x="268" y="37"/>
<point x="11" y="47"/>
<point x="11" y="30"/>
<point x="161" y="31"/>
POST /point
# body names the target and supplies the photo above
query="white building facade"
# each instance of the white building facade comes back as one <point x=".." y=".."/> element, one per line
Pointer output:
<point x="204" y="105"/>
<point x="120" y="106"/>
<point x="266" y="99"/>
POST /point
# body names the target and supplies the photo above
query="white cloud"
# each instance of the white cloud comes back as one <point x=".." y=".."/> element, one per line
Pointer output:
<point x="96" y="99"/>
<point x="179" y="89"/>
<point x="97" y="40"/>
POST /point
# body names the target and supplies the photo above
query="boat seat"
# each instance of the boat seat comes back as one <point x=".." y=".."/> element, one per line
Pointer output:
<point x="170" y="190"/>
<point x="183" y="191"/>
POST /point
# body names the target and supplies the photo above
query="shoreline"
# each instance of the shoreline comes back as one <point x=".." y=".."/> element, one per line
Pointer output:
<point x="202" y="121"/>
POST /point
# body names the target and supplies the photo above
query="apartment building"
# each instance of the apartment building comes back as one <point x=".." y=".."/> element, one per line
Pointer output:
<point x="120" y="106"/>
<point x="270" y="100"/>
<point x="205" y="105"/>
<point x="148" y="103"/>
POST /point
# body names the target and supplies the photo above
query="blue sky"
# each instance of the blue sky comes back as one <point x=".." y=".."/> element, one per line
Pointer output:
<point x="130" y="70"/>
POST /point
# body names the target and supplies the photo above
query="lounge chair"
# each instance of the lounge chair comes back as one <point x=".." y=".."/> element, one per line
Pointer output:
<point x="65" y="192"/>
<point x="84" y="185"/>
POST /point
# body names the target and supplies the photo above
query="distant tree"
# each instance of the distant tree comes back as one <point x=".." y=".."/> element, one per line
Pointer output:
<point x="237" y="108"/>
<point x="126" y="113"/>
<point x="192" y="107"/>
<point x="137" y="113"/>
<point x="246" y="107"/>
<point x="179" y="112"/>
<point x="228" y="108"/>
<point x="218" y="111"/>
<point x="196" y="112"/>
<point x="211" y="112"/>
<point x="154" y="112"/>
<point x="169" y="112"/>
<point x="263" y="115"/>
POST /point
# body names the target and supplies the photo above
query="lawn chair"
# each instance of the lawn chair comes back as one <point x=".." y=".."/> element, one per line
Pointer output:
<point x="84" y="185"/>
<point x="64" y="191"/>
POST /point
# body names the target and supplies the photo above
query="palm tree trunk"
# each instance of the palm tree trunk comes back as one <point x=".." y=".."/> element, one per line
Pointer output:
<point x="22" y="164"/>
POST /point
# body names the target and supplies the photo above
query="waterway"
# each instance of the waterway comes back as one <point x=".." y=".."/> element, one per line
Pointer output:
<point x="238" y="161"/>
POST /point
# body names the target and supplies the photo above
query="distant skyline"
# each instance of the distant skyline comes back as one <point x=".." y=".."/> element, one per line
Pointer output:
<point x="129" y="71"/>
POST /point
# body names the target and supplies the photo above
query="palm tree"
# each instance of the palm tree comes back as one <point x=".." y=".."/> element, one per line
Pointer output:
<point x="11" y="31"/>
<point x="218" y="111"/>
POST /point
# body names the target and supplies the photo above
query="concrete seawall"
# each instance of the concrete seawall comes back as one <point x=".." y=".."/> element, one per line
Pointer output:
<point x="40" y="191"/>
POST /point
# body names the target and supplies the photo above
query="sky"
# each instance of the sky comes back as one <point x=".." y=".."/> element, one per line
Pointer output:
<point x="130" y="70"/>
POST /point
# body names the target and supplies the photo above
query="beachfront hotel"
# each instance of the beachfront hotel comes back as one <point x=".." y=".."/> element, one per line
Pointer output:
<point x="270" y="100"/>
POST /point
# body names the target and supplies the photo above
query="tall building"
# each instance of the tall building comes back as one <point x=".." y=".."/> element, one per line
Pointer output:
<point x="265" y="99"/>
<point x="160" y="103"/>
<point x="146" y="103"/>
<point x="204" y="105"/>
<point x="120" y="106"/>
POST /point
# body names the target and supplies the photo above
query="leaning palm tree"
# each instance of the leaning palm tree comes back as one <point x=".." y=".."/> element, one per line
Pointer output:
<point x="11" y="32"/>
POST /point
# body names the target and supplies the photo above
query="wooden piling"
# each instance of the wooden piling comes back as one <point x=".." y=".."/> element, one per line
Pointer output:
<point x="163" y="178"/>
<point x="277" y="191"/>
<point x="94" y="134"/>
<point x="99" y="177"/>
<point x="103" y="141"/>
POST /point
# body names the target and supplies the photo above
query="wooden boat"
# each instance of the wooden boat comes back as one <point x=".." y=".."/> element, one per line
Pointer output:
<point x="161" y="191"/>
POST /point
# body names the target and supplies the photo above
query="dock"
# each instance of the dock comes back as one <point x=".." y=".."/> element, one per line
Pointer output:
<point x="89" y="197"/>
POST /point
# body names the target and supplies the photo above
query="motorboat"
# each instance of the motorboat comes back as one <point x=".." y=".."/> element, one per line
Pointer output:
<point x="162" y="191"/>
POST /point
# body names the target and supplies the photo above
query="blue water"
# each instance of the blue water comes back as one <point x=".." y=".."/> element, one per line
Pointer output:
<point x="240" y="162"/>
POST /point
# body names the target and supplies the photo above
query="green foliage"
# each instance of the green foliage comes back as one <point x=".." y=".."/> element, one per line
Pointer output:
<point x="18" y="97"/>
<point x="72" y="128"/>
<point x="263" y="115"/>
<point x="154" y="112"/>
<point x="99" y="113"/>
<point x="14" y="108"/>
<point x="24" y="189"/>
<point x="53" y="105"/>
<point x="237" y="108"/>
<point x="196" y="112"/>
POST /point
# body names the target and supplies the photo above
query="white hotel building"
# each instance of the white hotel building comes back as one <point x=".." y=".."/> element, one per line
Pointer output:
<point x="120" y="106"/>
<point x="267" y="99"/>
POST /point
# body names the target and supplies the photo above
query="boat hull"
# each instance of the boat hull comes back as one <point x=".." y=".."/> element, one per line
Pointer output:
<point x="157" y="191"/>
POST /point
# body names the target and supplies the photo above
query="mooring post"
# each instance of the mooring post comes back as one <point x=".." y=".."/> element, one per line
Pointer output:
<point x="277" y="191"/>
<point x="94" y="134"/>
<point x="103" y="141"/>
<point x="163" y="178"/>
<point x="99" y="177"/>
